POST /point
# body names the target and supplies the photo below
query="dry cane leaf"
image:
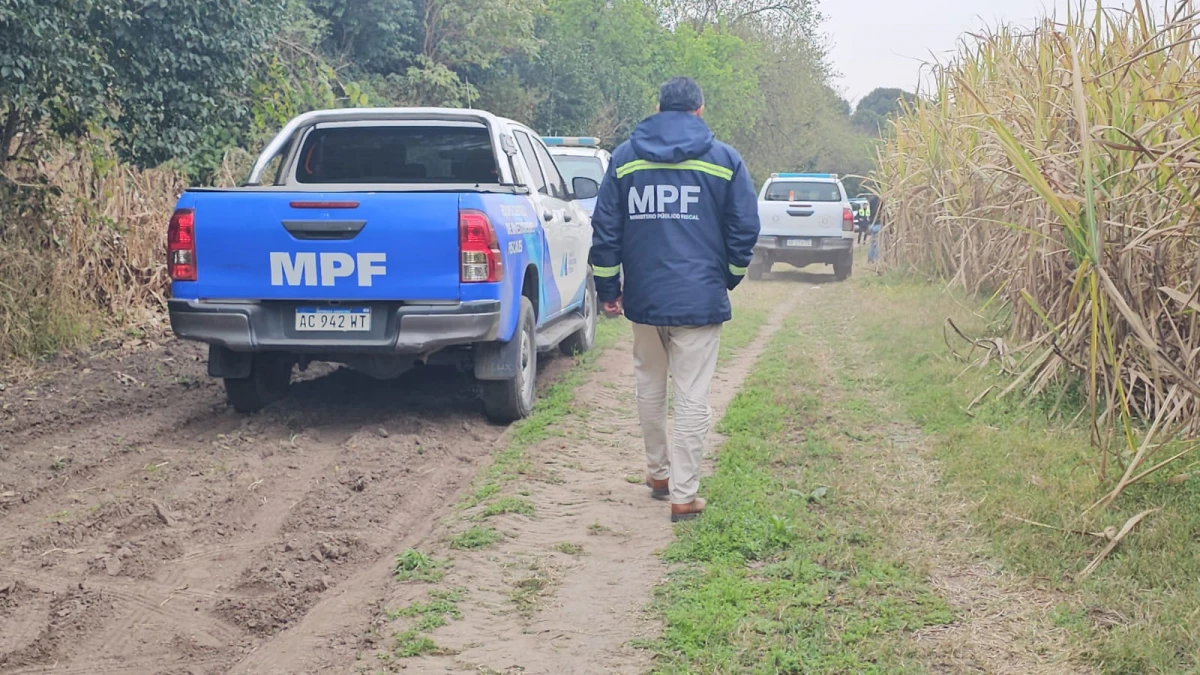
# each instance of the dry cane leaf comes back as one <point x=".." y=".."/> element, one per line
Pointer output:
<point x="1107" y="534"/>
<point x="1125" y="530"/>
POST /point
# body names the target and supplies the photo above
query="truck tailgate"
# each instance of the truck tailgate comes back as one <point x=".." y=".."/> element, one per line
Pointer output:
<point x="260" y="245"/>
<point x="806" y="219"/>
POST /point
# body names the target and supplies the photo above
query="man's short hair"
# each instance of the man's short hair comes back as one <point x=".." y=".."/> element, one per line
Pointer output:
<point x="680" y="94"/>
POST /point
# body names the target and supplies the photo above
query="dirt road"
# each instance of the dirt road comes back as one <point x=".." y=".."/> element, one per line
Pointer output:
<point x="146" y="528"/>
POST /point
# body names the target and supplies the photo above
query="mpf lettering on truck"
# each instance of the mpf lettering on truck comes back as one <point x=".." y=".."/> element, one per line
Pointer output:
<point x="312" y="269"/>
<point x="653" y="200"/>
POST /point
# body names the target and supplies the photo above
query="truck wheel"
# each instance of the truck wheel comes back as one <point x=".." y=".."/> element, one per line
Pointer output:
<point x="507" y="401"/>
<point x="843" y="266"/>
<point x="584" y="339"/>
<point x="270" y="378"/>
<point x="755" y="271"/>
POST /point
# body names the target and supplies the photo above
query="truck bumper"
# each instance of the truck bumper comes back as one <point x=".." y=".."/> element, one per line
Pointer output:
<point x="820" y="249"/>
<point x="396" y="328"/>
<point x="780" y="243"/>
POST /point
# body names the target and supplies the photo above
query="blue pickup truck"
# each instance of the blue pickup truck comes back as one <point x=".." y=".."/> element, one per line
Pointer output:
<point x="382" y="239"/>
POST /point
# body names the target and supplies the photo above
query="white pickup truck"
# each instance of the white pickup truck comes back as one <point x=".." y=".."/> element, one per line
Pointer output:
<point x="806" y="218"/>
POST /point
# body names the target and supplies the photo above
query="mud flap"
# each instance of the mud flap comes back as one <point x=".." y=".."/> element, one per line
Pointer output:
<point x="226" y="363"/>
<point x="498" y="360"/>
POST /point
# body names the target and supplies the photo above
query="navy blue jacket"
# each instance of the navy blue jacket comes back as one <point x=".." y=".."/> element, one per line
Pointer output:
<point x="676" y="221"/>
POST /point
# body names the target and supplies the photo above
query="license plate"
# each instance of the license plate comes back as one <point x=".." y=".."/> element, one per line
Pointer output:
<point x="333" y="319"/>
<point x="802" y="243"/>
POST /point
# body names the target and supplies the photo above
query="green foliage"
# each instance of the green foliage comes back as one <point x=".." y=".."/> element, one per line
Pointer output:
<point x="596" y="67"/>
<point x="199" y="87"/>
<point x="51" y="68"/>
<point x="727" y="66"/>
<point x="163" y="74"/>
<point x="874" y="110"/>
<point x="413" y="565"/>
<point x="475" y="538"/>
<point x="176" y="67"/>
<point x="506" y="505"/>
<point x="188" y="81"/>
<point x="378" y="36"/>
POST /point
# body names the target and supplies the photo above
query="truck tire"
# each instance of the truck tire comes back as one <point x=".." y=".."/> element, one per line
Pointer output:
<point x="269" y="381"/>
<point x="843" y="266"/>
<point x="506" y="401"/>
<point x="582" y="340"/>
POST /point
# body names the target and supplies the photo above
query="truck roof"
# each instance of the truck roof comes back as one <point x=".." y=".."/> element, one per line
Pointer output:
<point x="821" y="177"/>
<point x="576" y="152"/>
<point x="344" y="115"/>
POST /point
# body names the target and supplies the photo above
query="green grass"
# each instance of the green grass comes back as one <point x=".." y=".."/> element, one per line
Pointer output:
<point x="780" y="575"/>
<point x="569" y="548"/>
<point x="553" y="405"/>
<point x="747" y="320"/>
<point x="425" y="617"/>
<point x="1016" y="458"/>
<point x="413" y="565"/>
<point x="753" y="303"/>
<point x="475" y="538"/>
<point x="507" y="505"/>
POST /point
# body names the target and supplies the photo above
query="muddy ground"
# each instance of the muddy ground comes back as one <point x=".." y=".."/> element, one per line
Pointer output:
<point x="147" y="528"/>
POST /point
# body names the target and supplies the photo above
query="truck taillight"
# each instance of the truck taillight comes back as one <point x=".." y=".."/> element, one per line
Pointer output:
<point x="181" y="245"/>
<point x="480" y="250"/>
<point x="847" y="220"/>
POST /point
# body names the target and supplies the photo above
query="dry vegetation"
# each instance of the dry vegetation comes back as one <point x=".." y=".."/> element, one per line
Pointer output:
<point x="1058" y="169"/>
<point x="81" y="248"/>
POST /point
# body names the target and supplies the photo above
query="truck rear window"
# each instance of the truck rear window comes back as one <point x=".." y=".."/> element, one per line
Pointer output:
<point x="381" y="154"/>
<point x="803" y="191"/>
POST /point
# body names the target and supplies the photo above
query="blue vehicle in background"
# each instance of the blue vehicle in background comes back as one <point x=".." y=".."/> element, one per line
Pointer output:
<point x="382" y="239"/>
<point x="580" y="157"/>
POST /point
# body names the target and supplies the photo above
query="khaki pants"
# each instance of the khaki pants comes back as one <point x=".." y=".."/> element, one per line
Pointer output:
<point x="689" y="355"/>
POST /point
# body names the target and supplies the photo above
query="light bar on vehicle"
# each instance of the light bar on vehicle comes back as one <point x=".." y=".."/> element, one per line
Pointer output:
<point x="804" y="175"/>
<point x="572" y="141"/>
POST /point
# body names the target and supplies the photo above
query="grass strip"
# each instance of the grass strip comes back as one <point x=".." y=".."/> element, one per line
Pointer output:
<point x="782" y="575"/>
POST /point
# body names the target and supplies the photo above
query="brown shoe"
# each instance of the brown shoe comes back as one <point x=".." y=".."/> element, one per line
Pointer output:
<point x="687" y="511"/>
<point x="659" y="489"/>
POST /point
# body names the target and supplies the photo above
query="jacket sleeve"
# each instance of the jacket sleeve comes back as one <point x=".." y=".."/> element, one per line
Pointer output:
<point x="740" y="223"/>
<point x="608" y="229"/>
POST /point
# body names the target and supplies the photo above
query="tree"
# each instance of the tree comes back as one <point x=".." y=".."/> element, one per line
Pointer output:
<point x="597" y="69"/>
<point x="377" y="36"/>
<point x="157" y="71"/>
<point x="877" y="107"/>
<point x="176" y="69"/>
<point x="52" y="70"/>
<point x="782" y="20"/>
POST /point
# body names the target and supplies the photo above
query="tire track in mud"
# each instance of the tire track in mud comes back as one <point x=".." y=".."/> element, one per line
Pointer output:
<point x="184" y="535"/>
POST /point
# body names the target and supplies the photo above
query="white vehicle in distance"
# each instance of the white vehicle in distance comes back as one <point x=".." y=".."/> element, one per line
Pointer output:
<point x="806" y="218"/>
<point x="579" y="156"/>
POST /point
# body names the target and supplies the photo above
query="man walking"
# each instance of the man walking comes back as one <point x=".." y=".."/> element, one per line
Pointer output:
<point x="675" y="222"/>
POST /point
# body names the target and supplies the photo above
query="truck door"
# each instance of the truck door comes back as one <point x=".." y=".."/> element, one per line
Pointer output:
<point x="551" y="208"/>
<point x="577" y="232"/>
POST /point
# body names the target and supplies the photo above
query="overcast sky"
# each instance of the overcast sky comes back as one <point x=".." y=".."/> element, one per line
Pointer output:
<point x="881" y="43"/>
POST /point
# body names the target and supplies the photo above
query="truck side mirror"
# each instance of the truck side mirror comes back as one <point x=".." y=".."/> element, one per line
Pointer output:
<point x="584" y="187"/>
